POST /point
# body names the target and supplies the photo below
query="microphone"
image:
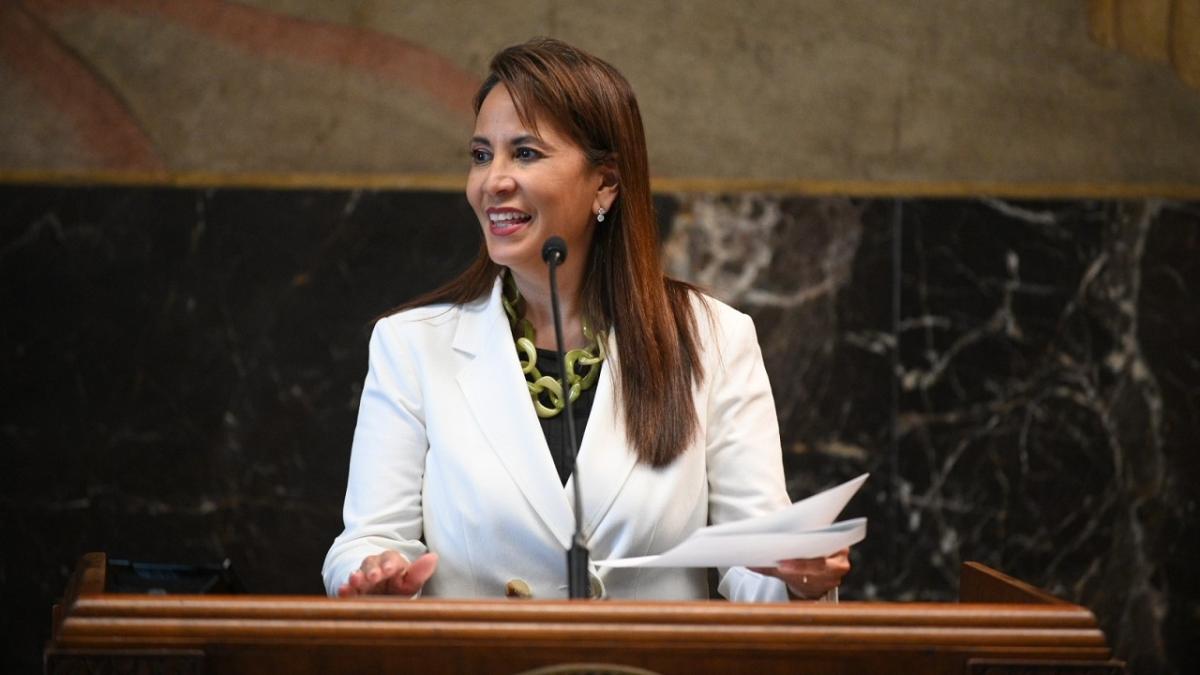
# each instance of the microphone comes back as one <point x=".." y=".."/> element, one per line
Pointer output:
<point x="554" y="252"/>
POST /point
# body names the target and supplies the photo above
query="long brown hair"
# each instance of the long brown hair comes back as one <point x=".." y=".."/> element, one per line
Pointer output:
<point x="592" y="103"/>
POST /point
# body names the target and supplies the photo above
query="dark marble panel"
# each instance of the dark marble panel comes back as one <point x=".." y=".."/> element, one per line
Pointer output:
<point x="1045" y="399"/>
<point x="182" y="370"/>
<point x="1049" y="376"/>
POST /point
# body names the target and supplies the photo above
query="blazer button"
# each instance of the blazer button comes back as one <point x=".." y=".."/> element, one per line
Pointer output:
<point x="596" y="586"/>
<point x="518" y="588"/>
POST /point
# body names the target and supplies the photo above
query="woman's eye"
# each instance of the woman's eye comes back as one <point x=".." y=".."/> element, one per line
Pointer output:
<point x="480" y="156"/>
<point x="526" y="154"/>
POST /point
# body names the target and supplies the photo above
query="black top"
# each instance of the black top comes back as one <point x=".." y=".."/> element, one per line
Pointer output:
<point x="555" y="428"/>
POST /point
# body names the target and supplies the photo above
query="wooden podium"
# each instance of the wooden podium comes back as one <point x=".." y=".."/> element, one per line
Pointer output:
<point x="1000" y="626"/>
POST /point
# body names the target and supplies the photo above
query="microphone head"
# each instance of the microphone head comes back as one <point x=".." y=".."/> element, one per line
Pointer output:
<point x="554" y="250"/>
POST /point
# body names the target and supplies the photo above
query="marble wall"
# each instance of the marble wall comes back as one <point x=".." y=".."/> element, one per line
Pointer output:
<point x="1022" y="380"/>
<point x="181" y="371"/>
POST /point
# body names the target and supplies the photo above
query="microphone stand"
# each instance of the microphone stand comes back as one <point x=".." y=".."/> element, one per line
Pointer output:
<point x="554" y="252"/>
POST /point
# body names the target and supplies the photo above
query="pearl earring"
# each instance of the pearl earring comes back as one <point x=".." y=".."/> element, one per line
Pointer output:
<point x="600" y="216"/>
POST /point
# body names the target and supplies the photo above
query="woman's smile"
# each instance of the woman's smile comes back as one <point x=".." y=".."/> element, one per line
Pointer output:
<point x="505" y="221"/>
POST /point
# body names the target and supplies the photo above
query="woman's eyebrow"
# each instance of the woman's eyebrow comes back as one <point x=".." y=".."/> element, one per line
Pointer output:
<point x="523" y="139"/>
<point x="528" y="138"/>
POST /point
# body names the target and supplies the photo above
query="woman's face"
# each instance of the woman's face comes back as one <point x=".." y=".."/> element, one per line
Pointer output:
<point x="525" y="187"/>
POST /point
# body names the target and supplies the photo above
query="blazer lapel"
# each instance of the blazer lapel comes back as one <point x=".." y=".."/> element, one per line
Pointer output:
<point x="605" y="458"/>
<point x="497" y="397"/>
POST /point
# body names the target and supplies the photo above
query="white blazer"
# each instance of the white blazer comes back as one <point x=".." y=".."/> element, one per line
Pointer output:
<point x="449" y="456"/>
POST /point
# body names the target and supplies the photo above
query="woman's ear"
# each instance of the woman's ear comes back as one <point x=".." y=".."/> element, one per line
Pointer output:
<point x="610" y="182"/>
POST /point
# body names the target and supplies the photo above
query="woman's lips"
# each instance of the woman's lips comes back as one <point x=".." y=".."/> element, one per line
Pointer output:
<point x="503" y="222"/>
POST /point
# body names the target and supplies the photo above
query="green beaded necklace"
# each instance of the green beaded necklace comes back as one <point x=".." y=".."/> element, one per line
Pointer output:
<point x="546" y="391"/>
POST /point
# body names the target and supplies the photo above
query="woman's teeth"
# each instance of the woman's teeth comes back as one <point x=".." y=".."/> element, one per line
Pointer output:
<point x="508" y="217"/>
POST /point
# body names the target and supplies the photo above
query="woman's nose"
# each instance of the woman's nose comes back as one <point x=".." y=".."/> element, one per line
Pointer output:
<point x="500" y="179"/>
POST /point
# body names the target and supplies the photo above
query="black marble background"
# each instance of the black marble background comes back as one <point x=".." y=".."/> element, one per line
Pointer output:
<point x="181" y="369"/>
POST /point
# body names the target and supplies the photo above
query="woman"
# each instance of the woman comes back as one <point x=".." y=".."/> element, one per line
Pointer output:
<point x="453" y="487"/>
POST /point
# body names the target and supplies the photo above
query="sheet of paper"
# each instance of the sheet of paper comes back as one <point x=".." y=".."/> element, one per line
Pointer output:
<point x="803" y="530"/>
<point x="750" y="549"/>
<point x="812" y="513"/>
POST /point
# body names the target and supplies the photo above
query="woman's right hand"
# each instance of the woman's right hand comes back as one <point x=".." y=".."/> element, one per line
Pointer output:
<point x="389" y="573"/>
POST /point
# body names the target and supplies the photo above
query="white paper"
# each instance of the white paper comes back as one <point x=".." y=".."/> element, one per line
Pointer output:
<point x="803" y="530"/>
<point x="751" y="550"/>
<point x="808" y="514"/>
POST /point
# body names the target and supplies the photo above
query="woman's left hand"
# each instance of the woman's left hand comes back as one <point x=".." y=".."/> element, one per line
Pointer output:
<point x="810" y="578"/>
